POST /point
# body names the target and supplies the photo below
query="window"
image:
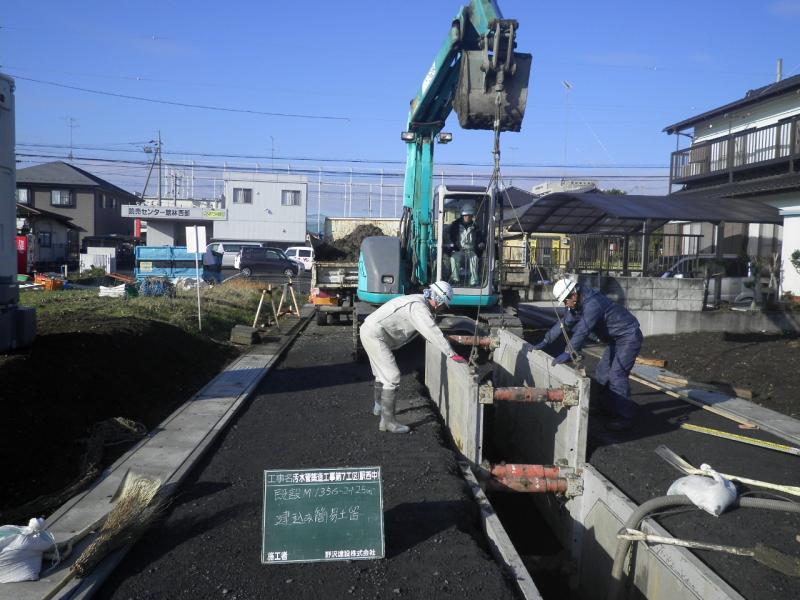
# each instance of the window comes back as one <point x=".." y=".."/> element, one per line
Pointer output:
<point x="22" y="196"/>
<point x="290" y="197"/>
<point x="242" y="196"/>
<point x="45" y="239"/>
<point x="61" y="198"/>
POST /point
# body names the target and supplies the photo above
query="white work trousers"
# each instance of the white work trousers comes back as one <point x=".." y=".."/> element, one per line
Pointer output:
<point x="381" y="358"/>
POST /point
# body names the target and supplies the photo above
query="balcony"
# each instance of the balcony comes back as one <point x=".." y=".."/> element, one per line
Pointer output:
<point x="770" y="146"/>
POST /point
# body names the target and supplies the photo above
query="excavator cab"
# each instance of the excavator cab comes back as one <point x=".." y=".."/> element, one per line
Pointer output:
<point x="465" y="243"/>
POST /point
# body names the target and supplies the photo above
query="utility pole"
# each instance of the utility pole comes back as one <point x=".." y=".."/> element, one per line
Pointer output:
<point x="567" y="88"/>
<point x="158" y="149"/>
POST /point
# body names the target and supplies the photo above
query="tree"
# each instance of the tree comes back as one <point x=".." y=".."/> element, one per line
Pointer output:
<point x="615" y="192"/>
<point x="795" y="260"/>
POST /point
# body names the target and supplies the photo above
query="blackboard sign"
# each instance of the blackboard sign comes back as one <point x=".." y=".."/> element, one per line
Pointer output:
<point x="322" y="515"/>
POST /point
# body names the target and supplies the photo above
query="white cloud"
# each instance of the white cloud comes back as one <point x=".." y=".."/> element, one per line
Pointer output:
<point x="784" y="8"/>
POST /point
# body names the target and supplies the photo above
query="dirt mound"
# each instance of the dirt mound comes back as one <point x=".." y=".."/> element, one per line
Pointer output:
<point x="80" y="371"/>
<point x="348" y="247"/>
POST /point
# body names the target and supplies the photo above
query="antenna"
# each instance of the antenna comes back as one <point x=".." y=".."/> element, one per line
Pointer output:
<point x="72" y="124"/>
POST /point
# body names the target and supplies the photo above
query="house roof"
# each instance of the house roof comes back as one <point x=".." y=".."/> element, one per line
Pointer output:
<point x="29" y="211"/>
<point x="61" y="173"/>
<point x="751" y="97"/>
<point x="596" y="212"/>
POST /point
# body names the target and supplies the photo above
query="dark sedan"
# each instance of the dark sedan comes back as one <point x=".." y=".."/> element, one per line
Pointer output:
<point x="264" y="261"/>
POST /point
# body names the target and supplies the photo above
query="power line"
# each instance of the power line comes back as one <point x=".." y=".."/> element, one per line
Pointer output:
<point x="183" y="104"/>
<point x="315" y="171"/>
<point x="344" y="160"/>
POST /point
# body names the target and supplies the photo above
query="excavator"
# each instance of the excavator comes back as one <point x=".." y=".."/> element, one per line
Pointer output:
<point x="478" y="74"/>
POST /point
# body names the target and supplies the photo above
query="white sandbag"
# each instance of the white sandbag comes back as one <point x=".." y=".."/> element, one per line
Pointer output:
<point x="21" y="550"/>
<point x="713" y="493"/>
<point x="116" y="291"/>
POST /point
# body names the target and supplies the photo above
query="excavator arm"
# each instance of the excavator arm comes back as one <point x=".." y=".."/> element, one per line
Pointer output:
<point x="477" y="72"/>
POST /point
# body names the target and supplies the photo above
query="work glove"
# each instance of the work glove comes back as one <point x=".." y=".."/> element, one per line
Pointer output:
<point x="541" y="345"/>
<point x="561" y="359"/>
<point x="459" y="359"/>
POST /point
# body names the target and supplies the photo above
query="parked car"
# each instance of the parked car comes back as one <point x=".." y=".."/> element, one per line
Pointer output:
<point x="302" y="254"/>
<point x="230" y="250"/>
<point x="255" y="260"/>
<point x="738" y="284"/>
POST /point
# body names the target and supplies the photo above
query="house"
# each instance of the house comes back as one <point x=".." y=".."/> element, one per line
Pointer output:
<point x="53" y="238"/>
<point x="748" y="148"/>
<point x="264" y="207"/>
<point x="90" y="203"/>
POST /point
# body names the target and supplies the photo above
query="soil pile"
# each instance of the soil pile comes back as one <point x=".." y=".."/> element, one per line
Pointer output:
<point x="348" y="247"/>
<point x="81" y="371"/>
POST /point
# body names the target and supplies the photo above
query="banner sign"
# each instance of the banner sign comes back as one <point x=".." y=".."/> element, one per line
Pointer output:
<point x="194" y="213"/>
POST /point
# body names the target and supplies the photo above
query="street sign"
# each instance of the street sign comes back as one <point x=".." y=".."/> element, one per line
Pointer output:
<point x="315" y="515"/>
<point x="196" y="239"/>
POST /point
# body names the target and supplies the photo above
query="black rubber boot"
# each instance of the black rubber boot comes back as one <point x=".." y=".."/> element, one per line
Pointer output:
<point x="376" y="408"/>
<point x="388" y="422"/>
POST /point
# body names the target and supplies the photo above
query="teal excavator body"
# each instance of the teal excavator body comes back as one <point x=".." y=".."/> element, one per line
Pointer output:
<point x="477" y="73"/>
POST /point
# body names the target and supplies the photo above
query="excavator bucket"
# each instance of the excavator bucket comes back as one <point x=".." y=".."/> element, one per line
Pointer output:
<point x="474" y="101"/>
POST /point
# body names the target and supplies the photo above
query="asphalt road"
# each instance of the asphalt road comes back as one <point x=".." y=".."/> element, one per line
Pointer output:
<point x="314" y="410"/>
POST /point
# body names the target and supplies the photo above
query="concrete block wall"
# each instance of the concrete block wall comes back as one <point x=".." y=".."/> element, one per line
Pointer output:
<point x="643" y="293"/>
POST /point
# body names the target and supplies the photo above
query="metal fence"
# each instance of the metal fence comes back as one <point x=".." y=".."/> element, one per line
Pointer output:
<point x="652" y="254"/>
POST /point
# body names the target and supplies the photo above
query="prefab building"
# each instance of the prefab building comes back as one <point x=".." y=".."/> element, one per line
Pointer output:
<point x="264" y="207"/>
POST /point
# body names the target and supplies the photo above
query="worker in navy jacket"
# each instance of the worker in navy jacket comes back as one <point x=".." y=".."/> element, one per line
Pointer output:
<point x="589" y="311"/>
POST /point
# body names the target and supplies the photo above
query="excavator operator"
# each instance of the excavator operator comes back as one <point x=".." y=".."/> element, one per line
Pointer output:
<point x="466" y="245"/>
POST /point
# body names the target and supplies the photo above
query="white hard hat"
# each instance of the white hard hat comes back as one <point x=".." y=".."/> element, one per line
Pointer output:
<point x="563" y="289"/>
<point x="467" y="209"/>
<point x="442" y="292"/>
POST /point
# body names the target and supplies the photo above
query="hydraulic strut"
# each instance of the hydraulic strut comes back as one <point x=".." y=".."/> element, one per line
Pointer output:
<point x="533" y="479"/>
<point x="529" y="394"/>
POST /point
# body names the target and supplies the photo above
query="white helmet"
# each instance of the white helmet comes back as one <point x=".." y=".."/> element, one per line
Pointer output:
<point x="468" y="209"/>
<point x="563" y="289"/>
<point x="442" y="292"/>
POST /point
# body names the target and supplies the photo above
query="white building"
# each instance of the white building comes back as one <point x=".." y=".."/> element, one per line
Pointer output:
<point x="264" y="207"/>
<point x="749" y="148"/>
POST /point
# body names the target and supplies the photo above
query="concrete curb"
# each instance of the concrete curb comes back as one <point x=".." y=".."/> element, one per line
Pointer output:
<point x="169" y="454"/>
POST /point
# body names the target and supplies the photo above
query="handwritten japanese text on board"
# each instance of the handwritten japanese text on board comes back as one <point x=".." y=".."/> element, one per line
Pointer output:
<point x="322" y="515"/>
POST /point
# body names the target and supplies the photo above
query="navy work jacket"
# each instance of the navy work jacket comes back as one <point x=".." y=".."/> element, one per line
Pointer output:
<point x="596" y="314"/>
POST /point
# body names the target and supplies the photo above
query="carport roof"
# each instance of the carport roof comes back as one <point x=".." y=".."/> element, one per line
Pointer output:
<point x="596" y="212"/>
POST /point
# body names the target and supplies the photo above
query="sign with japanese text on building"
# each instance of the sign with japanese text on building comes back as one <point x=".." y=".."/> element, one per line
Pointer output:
<point x="322" y="515"/>
<point x="194" y="213"/>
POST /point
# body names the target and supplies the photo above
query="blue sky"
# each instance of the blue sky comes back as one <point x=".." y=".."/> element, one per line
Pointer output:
<point x="634" y="67"/>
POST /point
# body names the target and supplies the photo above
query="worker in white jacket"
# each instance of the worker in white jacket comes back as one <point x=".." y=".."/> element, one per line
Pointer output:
<point x="393" y="325"/>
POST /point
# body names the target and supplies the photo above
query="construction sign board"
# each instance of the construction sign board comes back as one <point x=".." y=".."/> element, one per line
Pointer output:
<point x="313" y="515"/>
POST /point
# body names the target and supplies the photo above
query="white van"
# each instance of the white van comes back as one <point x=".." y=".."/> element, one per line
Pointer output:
<point x="230" y="250"/>
<point x="301" y="254"/>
